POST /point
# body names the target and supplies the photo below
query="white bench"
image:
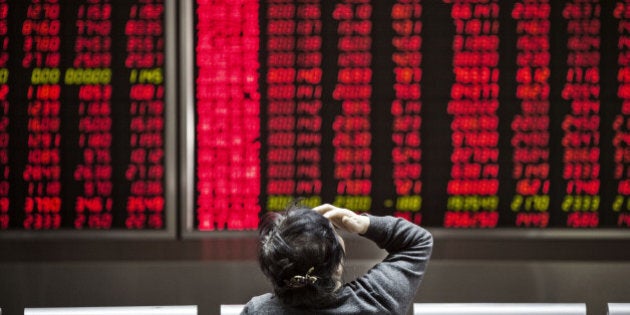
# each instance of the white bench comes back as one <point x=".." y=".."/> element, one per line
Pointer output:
<point x="618" y="309"/>
<point x="231" y="309"/>
<point x="475" y="308"/>
<point x="499" y="308"/>
<point x="115" y="310"/>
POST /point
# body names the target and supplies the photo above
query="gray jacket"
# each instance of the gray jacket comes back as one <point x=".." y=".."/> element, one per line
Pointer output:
<point x="387" y="288"/>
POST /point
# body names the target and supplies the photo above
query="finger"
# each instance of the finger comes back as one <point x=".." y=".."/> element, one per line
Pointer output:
<point x="334" y="216"/>
<point x="334" y="213"/>
<point x="321" y="209"/>
<point x="342" y="218"/>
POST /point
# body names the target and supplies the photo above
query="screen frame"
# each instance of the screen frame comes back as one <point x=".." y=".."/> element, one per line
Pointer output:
<point x="187" y="166"/>
<point x="170" y="158"/>
<point x="187" y="118"/>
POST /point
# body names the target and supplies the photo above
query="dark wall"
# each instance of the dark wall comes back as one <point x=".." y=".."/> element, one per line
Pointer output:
<point x="218" y="271"/>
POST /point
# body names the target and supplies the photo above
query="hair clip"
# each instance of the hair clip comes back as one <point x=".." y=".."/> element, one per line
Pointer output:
<point x="302" y="281"/>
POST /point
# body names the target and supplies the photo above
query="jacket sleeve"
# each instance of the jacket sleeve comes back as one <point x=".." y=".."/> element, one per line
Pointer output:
<point x="246" y="308"/>
<point x="393" y="283"/>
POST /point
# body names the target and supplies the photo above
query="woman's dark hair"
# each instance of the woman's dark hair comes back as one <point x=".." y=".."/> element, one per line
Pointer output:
<point x="291" y="244"/>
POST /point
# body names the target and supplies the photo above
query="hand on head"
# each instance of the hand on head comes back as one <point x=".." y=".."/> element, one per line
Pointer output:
<point x="344" y="219"/>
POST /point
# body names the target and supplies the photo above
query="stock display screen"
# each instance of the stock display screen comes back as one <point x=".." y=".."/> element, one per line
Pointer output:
<point x="451" y="113"/>
<point x="82" y="115"/>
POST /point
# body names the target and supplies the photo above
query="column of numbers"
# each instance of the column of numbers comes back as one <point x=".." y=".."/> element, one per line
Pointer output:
<point x="621" y="124"/>
<point x="531" y="126"/>
<point x="580" y="140"/>
<point x="4" y="118"/>
<point x="472" y="190"/>
<point x="228" y="109"/>
<point x="406" y="107"/>
<point x="42" y="172"/>
<point x="93" y="60"/>
<point x="281" y="94"/>
<point x="352" y="136"/>
<point x="145" y="172"/>
<point x="309" y="101"/>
